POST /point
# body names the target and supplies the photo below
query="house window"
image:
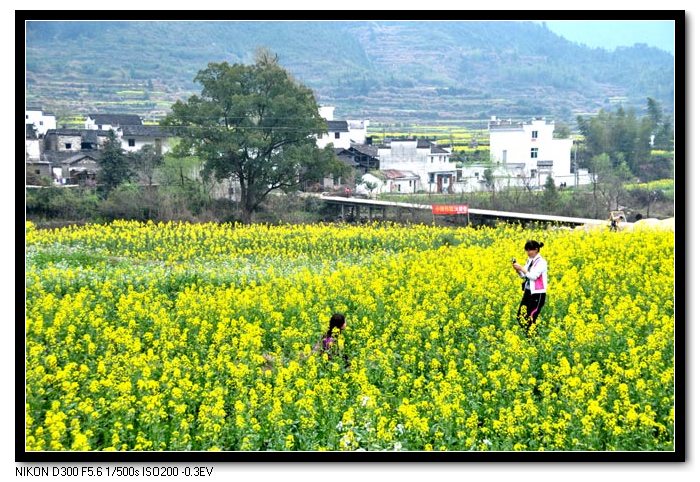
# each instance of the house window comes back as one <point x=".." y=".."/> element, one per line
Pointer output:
<point x="99" y="126"/>
<point x="533" y="172"/>
<point x="36" y="171"/>
<point x="431" y="179"/>
<point x="533" y="153"/>
<point x="476" y="175"/>
<point x="132" y="142"/>
<point x="337" y="135"/>
<point x="410" y="183"/>
<point x="534" y="135"/>
<point x="68" y="145"/>
<point x="505" y="155"/>
<point x="319" y="136"/>
<point x="41" y="123"/>
<point x="26" y="116"/>
<point x="398" y="187"/>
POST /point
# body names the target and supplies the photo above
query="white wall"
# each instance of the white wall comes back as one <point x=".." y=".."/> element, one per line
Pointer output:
<point x="33" y="151"/>
<point x="139" y="142"/>
<point x="41" y="121"/>
<point x="90" y="124"/>
<point x="517" y="142"/>
<point x="326" y="111"/>
<point x="358" y="130"/>
<point x="329" y="138"/>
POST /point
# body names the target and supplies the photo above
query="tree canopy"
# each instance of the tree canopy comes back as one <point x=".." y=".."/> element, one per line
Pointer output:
<point x="115" y="165"/>
<point x="624" y="137"/>
<point x="254" y="124"/>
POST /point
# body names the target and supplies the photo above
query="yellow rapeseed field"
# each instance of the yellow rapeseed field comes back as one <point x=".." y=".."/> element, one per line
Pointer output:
<point x="175" y="336"/>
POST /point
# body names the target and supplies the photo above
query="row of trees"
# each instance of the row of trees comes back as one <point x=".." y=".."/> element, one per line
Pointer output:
<point x="620" y="147"/>
<point x="625" y="138"/>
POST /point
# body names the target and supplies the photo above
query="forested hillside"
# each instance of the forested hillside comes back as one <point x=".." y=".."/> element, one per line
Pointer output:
<point x="385" y="71"/>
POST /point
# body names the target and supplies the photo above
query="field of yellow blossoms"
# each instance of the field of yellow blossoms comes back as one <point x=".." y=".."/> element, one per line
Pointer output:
<point x="175" y="336"/>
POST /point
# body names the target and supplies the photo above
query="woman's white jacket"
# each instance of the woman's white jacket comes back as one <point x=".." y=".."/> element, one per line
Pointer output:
<point x="536" y="277"/>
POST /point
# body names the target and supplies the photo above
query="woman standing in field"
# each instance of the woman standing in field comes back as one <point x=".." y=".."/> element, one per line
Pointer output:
<point x="534" y="285"/>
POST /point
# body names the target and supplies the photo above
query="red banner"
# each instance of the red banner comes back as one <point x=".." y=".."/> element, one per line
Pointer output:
<point x="450" y="208"/>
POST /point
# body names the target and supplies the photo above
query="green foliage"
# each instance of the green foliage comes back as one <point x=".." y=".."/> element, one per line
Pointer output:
<point x="550" y="198"/>
<point x="562" y="131"/>
<point x="115" y="165"/>
<point x="145" y="162"/>
<point x="623" y="138"/>
<point x="128" y="201"/>
<point x="61" y="202"/>
<point x="256" y="124"/>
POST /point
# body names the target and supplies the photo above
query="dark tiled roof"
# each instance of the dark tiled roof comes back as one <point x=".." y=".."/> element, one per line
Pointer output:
<point x="143" y="131"/>
<point x="337" y="126"/>
<point x="116" y="119"/>
<point x="437" y="150"/>
<point x="79" y="157"/>
<point x="61" y="157"/>
<point x="83" y="133"/>
<point x="347" y="160"/>
<point x="65" y="132"/>
<point x="368" y="150"/>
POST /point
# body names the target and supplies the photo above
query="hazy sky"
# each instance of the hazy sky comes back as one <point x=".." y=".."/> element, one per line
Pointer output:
<point x="610" y="34"/>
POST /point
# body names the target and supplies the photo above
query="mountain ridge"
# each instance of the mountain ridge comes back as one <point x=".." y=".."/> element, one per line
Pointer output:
<point x="389" y="71"/>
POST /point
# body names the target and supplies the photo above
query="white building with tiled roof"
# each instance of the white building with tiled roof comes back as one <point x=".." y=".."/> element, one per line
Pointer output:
<point x="341" y="133"/>
<point x="430" y="162"/>
<point x="42" y="121"/>
<point x="134" y="137"/>
<point x="111" y="121"/>
<point x="529" y="151"/>
<point x="390" y="181"/>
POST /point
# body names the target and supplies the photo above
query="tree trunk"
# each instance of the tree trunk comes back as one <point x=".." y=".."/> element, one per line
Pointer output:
<point x="243" y="203"/>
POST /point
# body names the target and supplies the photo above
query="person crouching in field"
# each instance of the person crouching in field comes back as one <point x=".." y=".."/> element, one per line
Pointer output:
<point x="534" y="285"/>
<point x="328" y="344"/>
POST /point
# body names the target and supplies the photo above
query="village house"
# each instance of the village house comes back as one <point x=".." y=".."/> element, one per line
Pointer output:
<point x="80" y="168"/>
<point x="361" y="157"/>
<point x="427" y="161"/>
<point x="526" y="154"/>
<point x="135" y="137"/>
<point x="111" y="121"/>
<point x="36" y="168"/>
<point x="349" y="139"/>
<point x="69" y="155"/>
<point x="341" y="133"/>
<point x="32" y="143"/>
<point x="42" y="121"/>
<point x="389" y="181"/>
<point x="131" y="131"/>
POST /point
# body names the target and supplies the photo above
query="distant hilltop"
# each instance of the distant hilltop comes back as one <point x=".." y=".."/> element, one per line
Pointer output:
<point x="387" y="71"/>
